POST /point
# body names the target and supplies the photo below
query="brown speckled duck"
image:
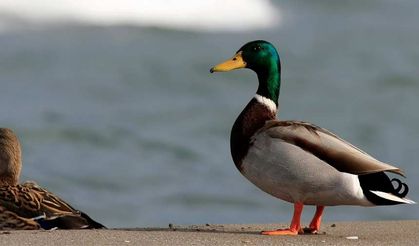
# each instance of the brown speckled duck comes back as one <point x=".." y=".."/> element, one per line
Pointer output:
<point x="297" y="161"/>
<point x="27" y="206"/>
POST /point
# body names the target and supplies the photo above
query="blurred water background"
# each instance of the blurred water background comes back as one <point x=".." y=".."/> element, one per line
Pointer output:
<point x="119" y="115"/>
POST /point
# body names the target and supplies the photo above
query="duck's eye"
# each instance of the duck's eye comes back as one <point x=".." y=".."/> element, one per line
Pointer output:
<point x="257" y="48"/>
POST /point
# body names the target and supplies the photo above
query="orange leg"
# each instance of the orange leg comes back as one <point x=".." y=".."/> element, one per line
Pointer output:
<point x="295" y="223"/>
<point x="316" y="221"/>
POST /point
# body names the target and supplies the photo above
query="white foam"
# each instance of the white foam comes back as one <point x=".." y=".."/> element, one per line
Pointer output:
<point x="230" y="15"/>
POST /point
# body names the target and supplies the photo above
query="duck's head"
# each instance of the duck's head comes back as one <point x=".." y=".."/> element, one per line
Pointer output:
<point x="10" y="157"/>
<point x="261" y="57"/>
<point x="257" y="55"/>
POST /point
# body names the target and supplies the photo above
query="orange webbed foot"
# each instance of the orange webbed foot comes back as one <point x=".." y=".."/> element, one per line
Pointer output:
<point x="295" y="227"/>
<point x="314" y="227"/>
<point x="280" y="232"/>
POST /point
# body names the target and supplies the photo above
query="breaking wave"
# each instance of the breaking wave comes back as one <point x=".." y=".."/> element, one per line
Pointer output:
<point x="204" y="15"/>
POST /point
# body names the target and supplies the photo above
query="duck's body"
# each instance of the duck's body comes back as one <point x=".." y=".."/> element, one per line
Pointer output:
<point x="308" y="180"/>
<point x="297" y="161"/>
<point x="28" y="206"/>
<point x="36" y="205"/>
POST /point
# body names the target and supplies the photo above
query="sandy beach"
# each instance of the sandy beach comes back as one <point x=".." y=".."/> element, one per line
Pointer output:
<point x="337" y="233"/>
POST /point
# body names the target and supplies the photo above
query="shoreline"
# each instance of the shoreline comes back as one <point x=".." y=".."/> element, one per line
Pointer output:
<point x="404" y="232"/>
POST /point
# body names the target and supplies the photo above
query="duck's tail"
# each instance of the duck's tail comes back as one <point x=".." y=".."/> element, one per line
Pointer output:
<point x="379" y="189"/>
<point x="69" y="221"/>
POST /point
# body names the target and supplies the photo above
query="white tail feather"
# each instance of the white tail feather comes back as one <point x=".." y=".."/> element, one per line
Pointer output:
<point x="392" y="197"/>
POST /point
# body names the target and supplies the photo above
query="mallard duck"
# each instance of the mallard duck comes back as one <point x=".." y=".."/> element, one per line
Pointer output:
<point x="27" y="205"/>
<point x="297" y="161"/>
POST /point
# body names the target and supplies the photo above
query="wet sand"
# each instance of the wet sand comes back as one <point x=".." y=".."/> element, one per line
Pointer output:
<point x="337" y="233"/>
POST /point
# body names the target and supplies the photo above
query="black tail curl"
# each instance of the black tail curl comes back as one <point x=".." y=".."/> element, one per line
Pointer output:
<point x="381" y="182"/>
<point x="400" y="186"/>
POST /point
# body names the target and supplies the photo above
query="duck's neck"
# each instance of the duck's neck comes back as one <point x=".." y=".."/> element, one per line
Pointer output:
<point x="262" y="107"/>
<point x="270" y="82"/>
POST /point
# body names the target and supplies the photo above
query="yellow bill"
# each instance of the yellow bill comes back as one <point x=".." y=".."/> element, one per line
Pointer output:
<point x="234" y="63"/>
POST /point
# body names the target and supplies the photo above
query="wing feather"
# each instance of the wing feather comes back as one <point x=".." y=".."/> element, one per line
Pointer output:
<point x="327" y="146"/>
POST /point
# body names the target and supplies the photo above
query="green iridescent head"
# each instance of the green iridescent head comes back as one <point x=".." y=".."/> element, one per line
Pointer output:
<point x="261" y="57"/>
